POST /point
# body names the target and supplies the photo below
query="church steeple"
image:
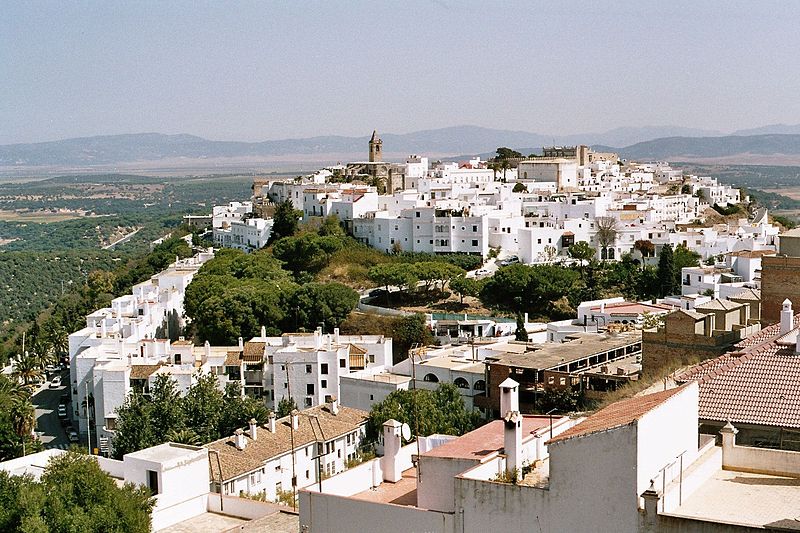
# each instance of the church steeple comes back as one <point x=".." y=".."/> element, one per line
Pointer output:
<point x="375" y="148"/>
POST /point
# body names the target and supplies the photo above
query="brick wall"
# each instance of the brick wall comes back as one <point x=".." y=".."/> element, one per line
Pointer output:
<point x="780" y="279"/>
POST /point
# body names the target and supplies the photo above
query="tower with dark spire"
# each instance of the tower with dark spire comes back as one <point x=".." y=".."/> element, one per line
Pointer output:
<point x="375" y="148"/>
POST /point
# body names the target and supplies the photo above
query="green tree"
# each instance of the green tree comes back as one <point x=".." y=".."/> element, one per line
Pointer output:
<point x="581" y="251"/>
<point x="27" y="369"/>
<point x="285" y="221"/>
<point x="408" y="331"/>
<point x="134" y="426"/>
<point x="426" y="412"/>
<point x="202" y="407"/>
<point x="306" y="253"/>
<point x="464" y="286"/>
<point x="563" y="401"/>
<point x="238" y="410"/>
<point x="520" y="334"/>
<point x="328" y="303"/>
<point x="285" y="406"/>
<point x="166" y="412"/>
<point x="81" y="497"/>
<point x="519" y="187"/>
<point x="666" y="272"/>
<point x="331" y="227"/>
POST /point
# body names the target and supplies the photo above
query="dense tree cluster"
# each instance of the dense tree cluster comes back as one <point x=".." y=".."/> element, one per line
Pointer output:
<point x="554" y="291"/>
<point x="73" y="494"/>
<point x="235" y="294"/>
<point x="426" y="412"/>
<point x="202" y="415"/>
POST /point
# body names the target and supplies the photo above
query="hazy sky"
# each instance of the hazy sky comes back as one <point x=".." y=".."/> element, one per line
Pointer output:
<point x="269" y="70"/>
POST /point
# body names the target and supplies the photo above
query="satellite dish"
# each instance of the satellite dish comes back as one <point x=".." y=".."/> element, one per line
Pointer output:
<point x="405" y="431"/>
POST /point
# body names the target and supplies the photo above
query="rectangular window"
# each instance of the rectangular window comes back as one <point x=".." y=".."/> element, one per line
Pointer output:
<point x="308" y="369"/>
<point x="474" y="228"/>
<point x="474" y="242"/>
<point x="310" y="388"/>
<point x="323" y="368"/>
<point x="308" y="402"/>
<point x="342" y="363"/>
<point x="324" y="384"/>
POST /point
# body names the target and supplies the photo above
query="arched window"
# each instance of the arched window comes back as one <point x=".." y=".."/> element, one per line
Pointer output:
<point x="479" y="385"/>
<point x="461" y="383"/>
<point x="431" y="378"/>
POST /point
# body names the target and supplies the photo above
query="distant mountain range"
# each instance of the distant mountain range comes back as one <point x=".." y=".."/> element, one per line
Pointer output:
<point x="652" y="142"/>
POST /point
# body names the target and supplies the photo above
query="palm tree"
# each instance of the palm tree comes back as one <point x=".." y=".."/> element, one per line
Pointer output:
<point x="27" y="369"/>
<point x="184" y="436"/>
<point x="23" y="419"/>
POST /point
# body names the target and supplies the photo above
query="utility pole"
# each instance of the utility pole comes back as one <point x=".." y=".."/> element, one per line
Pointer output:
<point x="291" y="439"/>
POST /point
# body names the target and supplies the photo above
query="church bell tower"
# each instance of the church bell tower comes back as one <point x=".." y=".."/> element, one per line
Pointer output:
<point x="375" y="148"/>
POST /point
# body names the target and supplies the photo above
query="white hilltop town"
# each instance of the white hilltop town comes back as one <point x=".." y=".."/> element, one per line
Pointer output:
<point x="714" y="447"/>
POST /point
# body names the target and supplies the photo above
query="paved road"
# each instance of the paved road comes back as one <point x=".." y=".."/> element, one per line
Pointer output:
<point x="48" y="426"/>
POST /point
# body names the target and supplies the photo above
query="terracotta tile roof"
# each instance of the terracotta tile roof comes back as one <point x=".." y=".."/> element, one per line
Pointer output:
<point x="254" y="351"/>
<point x="143" y="371"/>
<point x="236" y="463"/>
<point x="618" y="414"/>
<point x="233" y="358"/>
<point x="759" y="384"/>
<point x="752" y="295"/>
<point x="718" y="305"/>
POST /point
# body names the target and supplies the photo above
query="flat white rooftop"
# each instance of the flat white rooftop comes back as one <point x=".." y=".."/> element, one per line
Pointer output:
<point x="743" y="498"/>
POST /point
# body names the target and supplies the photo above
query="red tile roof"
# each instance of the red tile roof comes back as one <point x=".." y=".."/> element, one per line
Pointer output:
<point x="758" y="384"/>
<point x="618" y="414"/>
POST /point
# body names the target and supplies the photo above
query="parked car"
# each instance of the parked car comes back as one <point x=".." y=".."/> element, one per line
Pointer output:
<point x="481" y="272"/>
<point x="56" y="383"/>
<point x="73" y="436"/>
<point x="509" y="261"/>
<point x="51" y="369"/>
<point x="62" y="411"/>
<point x="378" y="293"/>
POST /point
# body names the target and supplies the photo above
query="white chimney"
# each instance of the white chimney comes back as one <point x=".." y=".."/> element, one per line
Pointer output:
<point x="329" y="342"/>
<point x="334" y="406"/>
<point x="295" y="419"/>
<point x="253" y="428"/>
<point x="512" y="440"/>
<point x="239" y="439"/>
<point x="271" y="422"/>
<point x="263" y="332"/>
<point x="103" y="328"/>
<point x="602" y="307"/>
<point x="526" y="318"/>
<point x="207" y="349"/>
<point x="318" y="338"/>
<point x="241" y="343"/>
<point x="390" y="464"/>
<point x="509" y="396"/>
<point x="336" y="335"/>
<point x="787" y="317"/>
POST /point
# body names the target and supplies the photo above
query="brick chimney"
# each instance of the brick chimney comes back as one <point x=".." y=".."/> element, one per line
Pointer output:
<point x="787" y="317"/>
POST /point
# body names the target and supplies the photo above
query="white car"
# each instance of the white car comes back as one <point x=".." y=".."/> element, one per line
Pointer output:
<point x="56" y="383"/>
<point x="481" y="272"/>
